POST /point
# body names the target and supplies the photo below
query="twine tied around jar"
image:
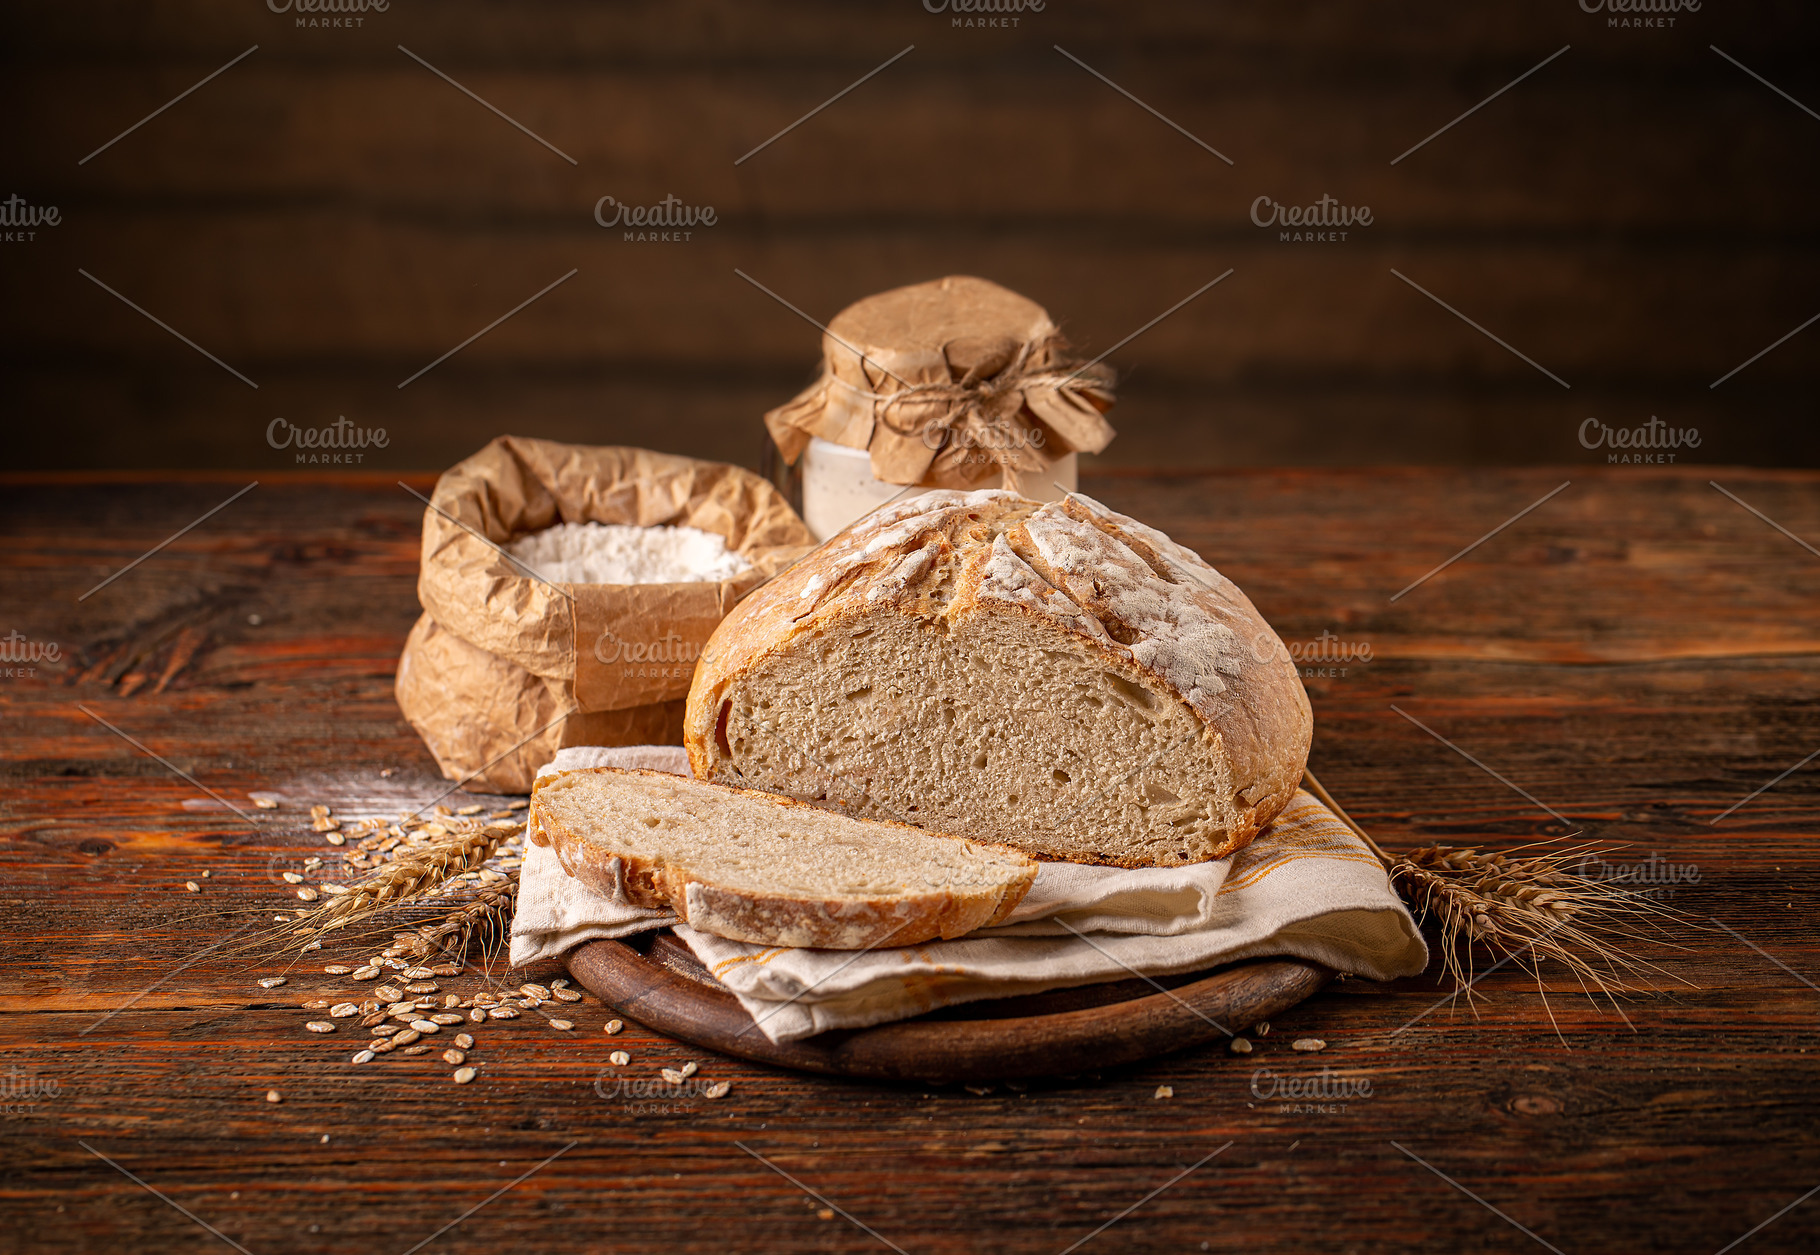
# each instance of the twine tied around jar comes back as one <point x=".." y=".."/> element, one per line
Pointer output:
<point x="986" y="392"/>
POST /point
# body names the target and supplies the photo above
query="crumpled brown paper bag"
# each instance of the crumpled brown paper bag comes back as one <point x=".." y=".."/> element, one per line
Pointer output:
<point x="535" y="649"/>
<point x="491" y="720"/>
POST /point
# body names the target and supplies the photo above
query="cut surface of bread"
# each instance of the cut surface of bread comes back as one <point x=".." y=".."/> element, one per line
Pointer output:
<point x="1057" y="678"/>
<point x="765" y="869"/>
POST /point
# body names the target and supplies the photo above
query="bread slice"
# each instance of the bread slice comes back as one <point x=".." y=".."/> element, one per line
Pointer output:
<point x="1057" y="678"/>
<point x="765" y="869"/>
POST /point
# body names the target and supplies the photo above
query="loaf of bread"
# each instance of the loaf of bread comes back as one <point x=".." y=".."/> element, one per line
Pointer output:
<point x="761" y="868"/>
<point x="1060" y="679"/>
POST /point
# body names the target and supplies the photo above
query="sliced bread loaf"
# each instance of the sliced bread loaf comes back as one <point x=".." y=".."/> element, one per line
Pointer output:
<point x="769" y="870"/>
<point x="1057" y="678"/>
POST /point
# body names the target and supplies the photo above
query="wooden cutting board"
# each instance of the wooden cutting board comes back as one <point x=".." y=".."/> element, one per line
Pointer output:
<point x="656" y="980"/>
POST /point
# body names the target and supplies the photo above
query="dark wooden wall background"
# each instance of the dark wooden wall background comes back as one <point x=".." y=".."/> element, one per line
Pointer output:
<point x="327" y="216"/>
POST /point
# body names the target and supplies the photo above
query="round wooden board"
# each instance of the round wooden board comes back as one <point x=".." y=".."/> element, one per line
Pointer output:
<point x="657" y="981"/>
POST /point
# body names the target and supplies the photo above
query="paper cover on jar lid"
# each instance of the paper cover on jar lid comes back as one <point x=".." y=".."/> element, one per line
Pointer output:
<point x="956" y="383"/>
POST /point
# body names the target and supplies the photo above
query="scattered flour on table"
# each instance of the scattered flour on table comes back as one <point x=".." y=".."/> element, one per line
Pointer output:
<point x="618" y="553"/>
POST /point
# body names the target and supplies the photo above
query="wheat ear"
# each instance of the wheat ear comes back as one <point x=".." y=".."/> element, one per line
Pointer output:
<point x="1527" y="909"/>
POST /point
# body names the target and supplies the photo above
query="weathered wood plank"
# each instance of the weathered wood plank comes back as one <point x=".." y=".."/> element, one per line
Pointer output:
<point x="1638" y="654"/>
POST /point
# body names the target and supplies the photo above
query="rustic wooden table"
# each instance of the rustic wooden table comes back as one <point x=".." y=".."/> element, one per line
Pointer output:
<point x="1637" y="658"/>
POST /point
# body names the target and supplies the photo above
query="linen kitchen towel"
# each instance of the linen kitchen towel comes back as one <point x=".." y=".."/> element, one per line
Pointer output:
<point x="1305" y="887"/>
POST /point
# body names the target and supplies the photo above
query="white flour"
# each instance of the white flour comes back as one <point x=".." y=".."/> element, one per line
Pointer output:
<point x="617" y="553"/>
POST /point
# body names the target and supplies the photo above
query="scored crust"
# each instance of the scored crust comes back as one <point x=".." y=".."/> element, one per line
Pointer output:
<point x="831" y="920"/>
<point x="1068" y="583"/>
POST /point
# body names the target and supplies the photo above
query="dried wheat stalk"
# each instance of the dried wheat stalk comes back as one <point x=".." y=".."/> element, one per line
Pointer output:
<point x="485" y="918"/>
<point x="419" y="871"/>
<point x="1527" y="910"/>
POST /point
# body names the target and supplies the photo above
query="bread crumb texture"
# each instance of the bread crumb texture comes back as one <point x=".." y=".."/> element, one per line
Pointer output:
<point x="1058" y="678"/>
<point x="762" y="868"/>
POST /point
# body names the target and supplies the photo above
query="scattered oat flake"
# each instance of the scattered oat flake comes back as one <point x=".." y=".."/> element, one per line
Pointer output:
<point x="825" y="1213"/>
<point x="673" y="1076"/>
<point x="364" y="1056"/>
<point x="264" y="801"/>
<point x="307" y="894"/>
<point x="717" y="1090"/>
<point x="292" y="878"/>
<point x="335" y="838"/>
<point x="613" y="1026"/>
<point x="562" y="1026"/>
<point x="343" y="1011"/>
<point x="192" y="886"/>
<point x="464" y="1075"/>
<point x="338" y="969"/>
<point x="689" y="1069"/>
<point x="272" y="1095"/>
<point x="1239" y="1046"/>
<point x="619" y="1058"/>
<point x="271" y="982"/>
<point x="321" y="1026"/>
<point x="470" y="810"/>
<point x="465" y="1041"/>
<point x="367" y="973"/>
<point x="1308" y="1045"/>
<point x="1164" y="1091"/>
